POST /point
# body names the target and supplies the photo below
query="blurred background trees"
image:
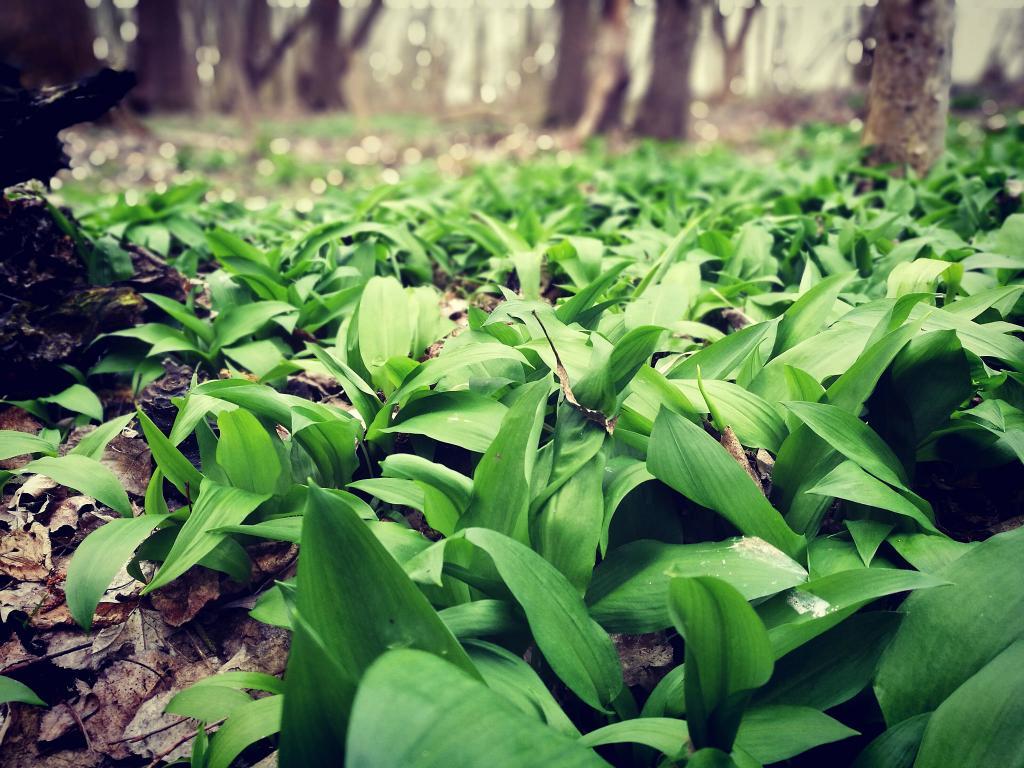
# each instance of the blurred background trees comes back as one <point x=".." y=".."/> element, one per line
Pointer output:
<point x="657" y="68"/>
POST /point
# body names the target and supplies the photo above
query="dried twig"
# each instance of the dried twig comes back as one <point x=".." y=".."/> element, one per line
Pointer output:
<point x="731" y="443"/>
<point x="563" y="378"/>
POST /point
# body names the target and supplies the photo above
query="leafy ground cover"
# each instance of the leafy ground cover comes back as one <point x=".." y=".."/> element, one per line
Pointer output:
<point x="632" y="460"/>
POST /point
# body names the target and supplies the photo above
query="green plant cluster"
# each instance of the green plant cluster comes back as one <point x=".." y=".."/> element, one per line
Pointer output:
<point x="698" y="408"/>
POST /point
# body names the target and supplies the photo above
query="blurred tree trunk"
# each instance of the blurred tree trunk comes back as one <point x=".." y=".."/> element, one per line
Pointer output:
<point x="664" y="111"/>
<point x="909" y="98"/>
<point x="166" y="71"/>
<point x="50" y="41"/>
<point x="567" y="96"/>
<point x="323" y="88"/>
<point x="332" y="56"/>
<point x="232" y="84"/>
<point x="868" y="40"/>
<point x="732" y="50"/>
<point x="606" y="95"/>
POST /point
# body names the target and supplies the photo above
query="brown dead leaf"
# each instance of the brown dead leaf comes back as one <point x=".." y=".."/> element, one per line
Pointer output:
<point x="731" y="443"/>
<point x="25" y="554"/>
<point x="645" y="658"/>
<point x="32" y="498"/>
<point x="130" y="460"/>
<point x="183" y="598"/>
<point x="67" y="513"/>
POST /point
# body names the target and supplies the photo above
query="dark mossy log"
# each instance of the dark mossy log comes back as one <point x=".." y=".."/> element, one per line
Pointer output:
<point x="31" y="119"/>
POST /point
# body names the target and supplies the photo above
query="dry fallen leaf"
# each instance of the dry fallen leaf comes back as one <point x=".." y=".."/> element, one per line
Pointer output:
<point x="25" y="554"/>
<point x="182" y="599"/>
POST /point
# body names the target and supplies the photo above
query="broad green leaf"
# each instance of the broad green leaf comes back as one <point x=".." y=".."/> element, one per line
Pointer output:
<point x="809" y="313"/>
<point x="942" y="641"/>
<point x="175" y="467"/>
<point x="776" y="733"/>
<point x="728" y="655"/>
<point x="95" y="443"/>
<point x="848" y="481"/>
<point x="412" y="709"/>
<point x="14" y="443"/>
<point x="852" y="438"/>
<point x="246" y="453"/>
<point x="688" y="459"/>
<point x="353" y="603"/>
<point x="507" y="674"/>
<point x="385" y="330"/>
<point x="460" y="418"/>
<point x="897" y="747"/>
<point x="629" y="588"/>
<point x="981" y="721"/>
<point x="718" y="360"/>
<point x="85" y="475"/>
<point x="575" y="646"/>
<point x="665" y="734"/>
<point x="833" y="667"/>
<point x="801" y="614"/>
<point x="501" y="483"/>
<point x="246" y="725"/>
<point x="98" y="560"/>
<point x="78" y="398"/>
<point x="13" y="690"/>
<point x="215" y="506"/>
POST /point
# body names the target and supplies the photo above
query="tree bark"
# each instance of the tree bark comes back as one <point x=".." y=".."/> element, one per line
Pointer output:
<point x="732" y="50"/>
<point x="664" y="111"/>
<point x="50" y="41"/>
<point x="909" y="97"/>
<point x="232" y="84"/>
<point x="567" y="96"/>
<point x="324" y="82"/>
<point x="167" y="72"/>
<point x="607" y="92"/>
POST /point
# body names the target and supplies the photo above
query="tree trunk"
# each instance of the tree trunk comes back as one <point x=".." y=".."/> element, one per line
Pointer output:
<point x="733" y="51"/>
<point x="909" y="97"/>
<point x="610" y="82"/>
<point x="663" y="112"/>
<point x="568" y="92"/>
<point x="232" y="84"/>
<point x="50" y="41"/>
<point x="323" y="90"/>
<point x="167" y="72"/>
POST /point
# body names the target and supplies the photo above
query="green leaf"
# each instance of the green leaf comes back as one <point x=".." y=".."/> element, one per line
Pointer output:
<point x="942" y="642"/>
<point x="215" y="506"/>
<point x="665" y="734"/>
<point x="385" y="330"/>
<point x="728" y="655"/>
<point x="834" y="667"/>
<point x="981" y="721"/>
<point x="507" y="674"/>
<point x="629" y="588"/>
<point x="897" y="747"/>
<point x="13" y="690"/>
<point x="99" y="558"/>
<point x="13" y="443"/>
<point x="78" y="398"/>
<point x="848" y="481"/>
<point x="182" y="314"/>
<point x="353" y="603"/>
<point x="575" y="646"/>
<point x="85" y="475"/>
<point x="246" y="725"/>
<point x="774" y="734"/>
<point x="246" y="453"/>
<point x="688" y="459"/>
<point x="176" y="468"/>
<point x="809" y="313"/>
<point x="244" y="320"/>
<point x="412" y="709"/>
<point x="501" y="483"/>
<point x="718" y="360"/>
<point x="95" y="443"/>
<point x="460" y="418"/>
<point x="795" y="617"/>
